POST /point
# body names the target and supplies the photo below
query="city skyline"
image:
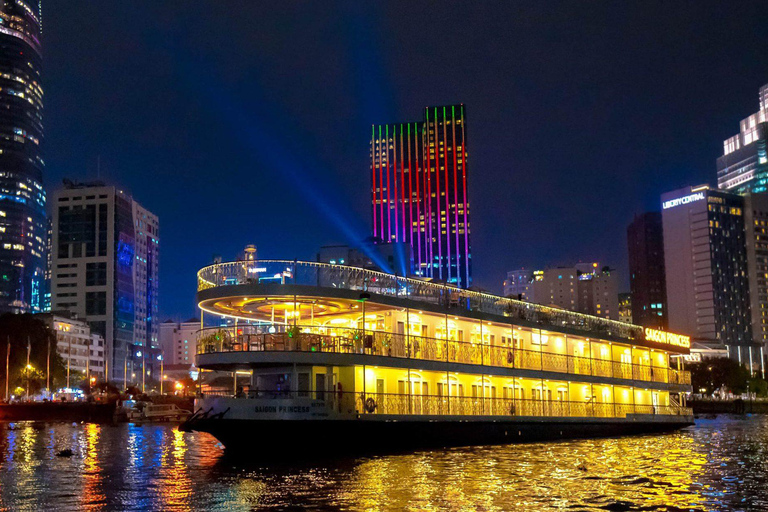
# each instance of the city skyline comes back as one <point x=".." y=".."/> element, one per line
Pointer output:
<point x="176" y="134"/>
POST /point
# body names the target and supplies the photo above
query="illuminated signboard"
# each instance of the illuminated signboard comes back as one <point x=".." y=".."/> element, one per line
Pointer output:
<point x="667" y="338"/>
<point x="683" y="200"/>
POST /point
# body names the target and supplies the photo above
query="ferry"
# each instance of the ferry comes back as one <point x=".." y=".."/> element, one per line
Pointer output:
<point x="333" y="358"/>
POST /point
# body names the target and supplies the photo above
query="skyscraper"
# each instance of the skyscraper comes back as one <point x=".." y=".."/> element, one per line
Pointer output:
<point x="22" y="198"/>
<point x="105" y="269"/>
<point x="756" y="222"/>
<point x="419" y="191"/>
<point x="705" y="259"/>
<point x="744" y="165"/>
<point x="647" y="280"/>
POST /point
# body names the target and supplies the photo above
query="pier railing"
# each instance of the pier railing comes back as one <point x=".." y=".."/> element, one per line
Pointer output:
<point x="250" y="338"/>
<point x="446" y="296"/>
<point x="435" y="405"/>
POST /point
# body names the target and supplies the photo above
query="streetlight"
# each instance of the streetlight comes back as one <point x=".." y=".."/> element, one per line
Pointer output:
<point x="143" y="368"/>
<point x="29" y="369"/>
<point x="160" y="358"/>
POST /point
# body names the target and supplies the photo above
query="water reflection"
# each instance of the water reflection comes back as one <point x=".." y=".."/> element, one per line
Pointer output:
<point x="720" y="464"/>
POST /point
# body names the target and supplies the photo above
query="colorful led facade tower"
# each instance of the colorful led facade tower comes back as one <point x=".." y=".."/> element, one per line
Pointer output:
<point x="419" y="191"/>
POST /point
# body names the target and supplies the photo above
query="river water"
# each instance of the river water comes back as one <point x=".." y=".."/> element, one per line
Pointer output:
<point x="719" y="464"/>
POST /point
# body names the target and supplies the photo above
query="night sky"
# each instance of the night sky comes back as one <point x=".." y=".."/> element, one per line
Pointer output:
<point x="249" y="122"/>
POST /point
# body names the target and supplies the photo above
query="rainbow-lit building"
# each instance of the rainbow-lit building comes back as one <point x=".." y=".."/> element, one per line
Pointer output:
<point x="331" y="357"/>
<point x="419" y="191"/>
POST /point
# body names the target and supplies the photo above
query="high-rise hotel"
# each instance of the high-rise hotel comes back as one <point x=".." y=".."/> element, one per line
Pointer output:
<point x="419" y="191"/>
<point x="22" y="198"/>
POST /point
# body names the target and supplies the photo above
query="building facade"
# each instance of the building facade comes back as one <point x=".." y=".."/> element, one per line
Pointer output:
<point x="104" y="268"/>
<point x="744" y="165"/>
<point x="756" y="223"/>
<point x="625" y="307"/>
<point x="371" y="254"/>
<point x="419" y="191"/>
<point x="82" y="350"/>
<point x="22" y="198"/>
<point x="647" y="278"/>
<point x="706" y="269"/>
<point x="585" y="287"/>
<point x="178" y="341"/>
<point x="518" y="284"/>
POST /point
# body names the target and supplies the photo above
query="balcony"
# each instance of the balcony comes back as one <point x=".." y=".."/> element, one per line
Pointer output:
<point x="451" y="298"/>
<point x="418" y="348"/>
<point x="433" y="405"/>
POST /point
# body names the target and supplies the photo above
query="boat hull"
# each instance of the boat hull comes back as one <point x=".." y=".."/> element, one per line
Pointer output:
<point x="308" y="438"/>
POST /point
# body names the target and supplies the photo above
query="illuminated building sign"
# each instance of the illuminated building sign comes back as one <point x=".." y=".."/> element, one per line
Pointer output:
<point x="667" y="338"/>
<point x="683" y="200"/>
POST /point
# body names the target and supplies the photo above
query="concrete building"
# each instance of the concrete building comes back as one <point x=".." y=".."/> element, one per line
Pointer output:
<point x="647" y="280"/>
<point x="625" y="307"/>
<point x="371" y="254"/>
<point x="744" y="165"/>
<point x="585" y="287"/>
<point x="178" y="341"/>
<point x="518" y="284"/>
<point x="82" y="350"/>
<point x="756" y="223"/>
<point x="104" y="268"/>
<point x="705" y="257"/>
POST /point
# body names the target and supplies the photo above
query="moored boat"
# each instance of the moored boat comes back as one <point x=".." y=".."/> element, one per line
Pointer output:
<point x="335" y="358"/>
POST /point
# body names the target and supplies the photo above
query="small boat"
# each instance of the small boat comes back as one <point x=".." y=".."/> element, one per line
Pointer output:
<point x="140" y="412"/>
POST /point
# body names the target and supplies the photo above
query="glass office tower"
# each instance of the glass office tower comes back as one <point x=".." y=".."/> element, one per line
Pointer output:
<point x="22" y="198"/>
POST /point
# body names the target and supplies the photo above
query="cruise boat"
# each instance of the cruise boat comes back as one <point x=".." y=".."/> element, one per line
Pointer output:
<point x="332" y="358"/>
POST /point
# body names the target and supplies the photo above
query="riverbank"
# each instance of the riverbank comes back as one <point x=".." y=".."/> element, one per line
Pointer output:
<point x="58" y="411"/>
<point x="90" y="412"/>
<point x="728" y="406"/>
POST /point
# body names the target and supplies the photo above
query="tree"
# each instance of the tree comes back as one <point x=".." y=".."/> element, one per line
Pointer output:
<point x="21" y="330"/>
<point x="712" y="374"/>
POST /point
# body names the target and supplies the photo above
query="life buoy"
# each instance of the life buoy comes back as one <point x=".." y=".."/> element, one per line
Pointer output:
<point x="370" y="405"/>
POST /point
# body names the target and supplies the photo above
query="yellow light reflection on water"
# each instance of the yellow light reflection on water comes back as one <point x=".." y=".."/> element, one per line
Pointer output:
<point x="177" y="491"/>
<point x="92" y="493"/>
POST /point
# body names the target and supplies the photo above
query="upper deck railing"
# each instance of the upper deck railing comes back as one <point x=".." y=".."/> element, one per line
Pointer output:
<point x="456" y="299"/>
<point x="251" y="338"/>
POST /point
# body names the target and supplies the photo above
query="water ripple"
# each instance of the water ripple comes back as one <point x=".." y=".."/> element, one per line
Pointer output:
<point x="720" y="464"/>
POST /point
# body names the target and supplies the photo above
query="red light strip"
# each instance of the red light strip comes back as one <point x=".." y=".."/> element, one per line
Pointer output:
<point x="394" y="180"/>
<point x="456" y="198"/>
<point x="389" y="211"/>
<point x="402" y="185"/>
<point x="373" y="174"/>
<point x="447" y="211"/>
<point x="466" y="205"/>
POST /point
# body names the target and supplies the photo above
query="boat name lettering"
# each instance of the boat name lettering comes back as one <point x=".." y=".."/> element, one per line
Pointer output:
<point x="282" y="408"/>
<point x="667" y="338"/>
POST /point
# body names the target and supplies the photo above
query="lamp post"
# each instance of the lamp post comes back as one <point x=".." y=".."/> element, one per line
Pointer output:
<point x="162" y="376"/>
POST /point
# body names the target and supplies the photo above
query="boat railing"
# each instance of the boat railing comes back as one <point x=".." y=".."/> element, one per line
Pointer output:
<point x="446" y="296"/>
<point x="436" y="405"/>
<point x="250" y="338"/>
